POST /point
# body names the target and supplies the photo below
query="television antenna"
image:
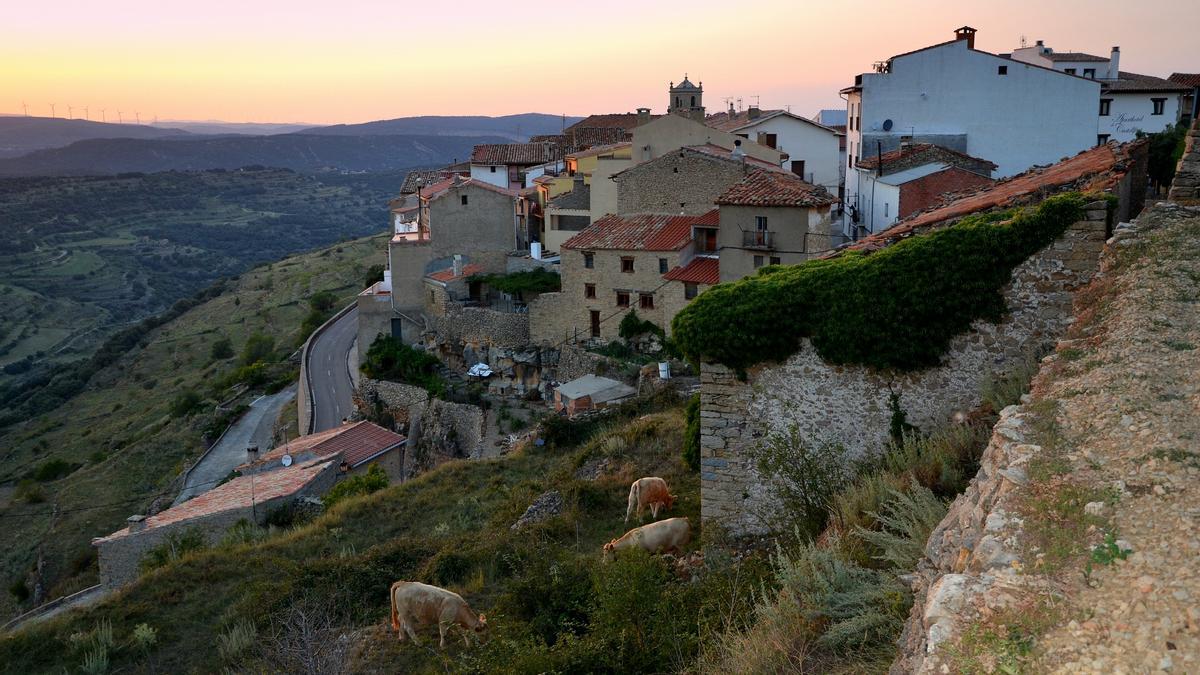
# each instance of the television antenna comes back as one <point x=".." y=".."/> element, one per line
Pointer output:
<point x="52" y="110"/>
<point x="1024" y="42"/>
<point x="755" y="97"/>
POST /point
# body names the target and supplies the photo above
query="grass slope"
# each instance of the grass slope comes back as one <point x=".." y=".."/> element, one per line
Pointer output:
<point x="449" y="526"/>
<point x="81" y="257"/>
<point x="118" y="436"/>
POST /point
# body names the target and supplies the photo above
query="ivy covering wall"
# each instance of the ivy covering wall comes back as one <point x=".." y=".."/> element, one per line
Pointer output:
<point x="897" y="308"/>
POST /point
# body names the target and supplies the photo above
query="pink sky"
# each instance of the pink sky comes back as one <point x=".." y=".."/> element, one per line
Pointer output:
<point x="359" y="60"/>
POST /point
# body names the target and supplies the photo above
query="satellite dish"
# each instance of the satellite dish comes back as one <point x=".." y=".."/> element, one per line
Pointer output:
<point x="287" y="460"/>
<point x="887" y="125"/>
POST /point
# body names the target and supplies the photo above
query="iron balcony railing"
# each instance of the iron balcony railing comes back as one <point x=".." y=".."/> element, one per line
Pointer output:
<point x="758" y="239"/>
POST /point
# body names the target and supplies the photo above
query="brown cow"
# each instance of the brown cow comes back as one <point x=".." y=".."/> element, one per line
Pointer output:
<point x="414" y="603"/>
<point x="650" y="491"/>
<point x="665" y="536"/>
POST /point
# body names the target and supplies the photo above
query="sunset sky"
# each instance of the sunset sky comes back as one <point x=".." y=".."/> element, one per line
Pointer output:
<point x="360" y="60"/>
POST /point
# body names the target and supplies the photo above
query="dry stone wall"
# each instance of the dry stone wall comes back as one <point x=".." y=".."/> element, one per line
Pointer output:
<point x="850" y="405"/>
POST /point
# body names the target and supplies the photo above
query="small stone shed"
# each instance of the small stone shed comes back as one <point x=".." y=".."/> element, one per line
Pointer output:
<point x="590" y="392"/>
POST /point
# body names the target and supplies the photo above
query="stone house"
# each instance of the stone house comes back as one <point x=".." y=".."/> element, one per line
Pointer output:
<point x="686" y="181"/>
<point x="503" y="164"/>
<point x="770" y="217"/>
<point x="615" y="266"/>
<point x="813" y="149"/>
<point x="671" y="132"/>
<point x="211" y="514"/>
<point x="354" y="447"/>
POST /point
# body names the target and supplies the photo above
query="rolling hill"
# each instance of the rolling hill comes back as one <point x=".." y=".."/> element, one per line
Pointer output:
<point x="512" y="127"/>
<point x="22" y="135"/>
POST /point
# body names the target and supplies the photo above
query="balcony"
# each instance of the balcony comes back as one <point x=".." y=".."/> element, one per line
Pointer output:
<point x="763" y="239"/>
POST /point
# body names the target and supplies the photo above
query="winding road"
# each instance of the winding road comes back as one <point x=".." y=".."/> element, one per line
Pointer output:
<point x="329" y="372"/>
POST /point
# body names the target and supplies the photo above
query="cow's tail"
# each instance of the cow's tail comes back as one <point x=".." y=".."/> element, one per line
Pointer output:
<point x="395" y="616"/>
<point x="634" y="497"/>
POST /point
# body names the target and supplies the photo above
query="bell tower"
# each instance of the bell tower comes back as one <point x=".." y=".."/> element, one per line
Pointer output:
<point x="686" y="99"/>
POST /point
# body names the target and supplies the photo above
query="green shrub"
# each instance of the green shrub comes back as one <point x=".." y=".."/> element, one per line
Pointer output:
<point x="236" y="640"/>
<point x="53" y="469"/>
<point x="552" y="593"/>
<point x="175" y="546"/>
<point x="186" y="403"/>
<point x="390" y="359"/>
<point x="19" y="590"/>
<point x="537" y="280"/>
<point x="895" y="308"/>
<point x="374" y="275"/>
<point x="805" y="478"/>
<point x="632" y="326"/>
<point x="691" y="436"/>
<point x="1004" y="389"/>
<point x="942" y="461"/>
<point x="363" y="484"/>
<point x="905" y="521"/>
<point x="258" y="348"/>
<point x="221" y="349"/>
<point x="29" y="492"/>
<point x="322" y="301"/>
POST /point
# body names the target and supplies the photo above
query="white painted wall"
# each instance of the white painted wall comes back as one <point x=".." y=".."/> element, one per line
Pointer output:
<point x="818" y="147"/>
<point x="495" y="174"/>
<point x="879" y="201"/>
<point x="1131" y="112"/>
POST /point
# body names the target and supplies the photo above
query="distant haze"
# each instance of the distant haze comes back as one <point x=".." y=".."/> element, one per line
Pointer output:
<point x="361" y="60"/>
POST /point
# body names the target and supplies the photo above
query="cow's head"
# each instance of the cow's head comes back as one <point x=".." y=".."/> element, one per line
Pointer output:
<point x="670" y="501"/>
<point x="609" y="548"/>
<point x="482" y="624"/>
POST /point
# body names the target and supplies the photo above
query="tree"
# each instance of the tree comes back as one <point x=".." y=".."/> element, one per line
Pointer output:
<point x="222" y="349"/>
<point x="185" y="403"/>
<point x="323" y="301"/>
<point x="374" y="275"/>
<point x="258" y="348"/>
<point x="1166" y="147"/>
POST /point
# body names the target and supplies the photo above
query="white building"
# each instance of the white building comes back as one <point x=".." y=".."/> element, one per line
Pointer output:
<point x="504" y="164"/>
<point x="1128" y="103"/>
<point x="1013" y="114"/>
<point x="811" y="148"/>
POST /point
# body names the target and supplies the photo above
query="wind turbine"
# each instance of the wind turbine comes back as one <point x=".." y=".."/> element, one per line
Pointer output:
<point x="103" y="116"/>
<point x="120" y="120"/>
<point x="25" y="107"/>
<point x="52" y="110"/>
<point x="85" y="114"/>
<point x="70" y="111"/>
<point x="138" y="116"/>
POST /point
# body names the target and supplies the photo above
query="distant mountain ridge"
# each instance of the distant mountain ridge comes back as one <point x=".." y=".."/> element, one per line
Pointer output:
<point x="299" y="152"/>
<point x="512" y="127"/>
<point x="22" y="135"/>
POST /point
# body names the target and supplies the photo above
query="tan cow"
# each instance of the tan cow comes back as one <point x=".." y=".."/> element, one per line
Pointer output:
<point x="665" y="536"/>
<point x="414" y="603"/>
<point x="650" y="491"/>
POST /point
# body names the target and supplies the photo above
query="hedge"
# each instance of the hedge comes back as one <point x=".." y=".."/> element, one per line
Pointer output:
<point x="897" y="308"/>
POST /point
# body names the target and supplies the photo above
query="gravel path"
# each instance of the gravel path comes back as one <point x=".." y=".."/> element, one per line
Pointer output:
<point x="1130" y="409"/>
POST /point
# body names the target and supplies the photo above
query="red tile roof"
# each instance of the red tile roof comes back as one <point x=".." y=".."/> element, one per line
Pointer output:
<point x="775" y="188"/>
<point x="519" y="154"/>
<point x="1186" y="79"/>
<point x="624" y="121"/>
<point x="238" y="493"/>
<point x="355" y="442"/>
<point x="1075" y="56"/>
<point x="723" y="121"/>
<point x="640" y="232"/>
<point x="713" y="150"/>
<point x="1133" y="82"/>
<point x="934" y="151"/>
<point x="447" y="275"/>
<point x="1092" y="170"/>
<point x="700" y="270"/>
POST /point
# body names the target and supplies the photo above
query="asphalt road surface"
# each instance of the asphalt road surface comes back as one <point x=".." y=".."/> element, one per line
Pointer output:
<point x="329" y="373"/>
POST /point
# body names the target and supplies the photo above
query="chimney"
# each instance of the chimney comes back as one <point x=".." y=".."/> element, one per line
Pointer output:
<point x="1114" y="64"/>
<point x="753" y="112"/>
<point x="737" y="148"/>
<point x="966" y="33"/>
<point x="643" y="116"/>
<point x="458" y="265"/>
<point x="252" y="450"/>
<point x="137" y="523"/>
<point x="732" y="112"/>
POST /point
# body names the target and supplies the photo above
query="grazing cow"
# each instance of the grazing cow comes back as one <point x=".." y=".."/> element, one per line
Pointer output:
<point x="650" y="491"/>
<point x="665" y="536"/>
<point x="414" y="603"/>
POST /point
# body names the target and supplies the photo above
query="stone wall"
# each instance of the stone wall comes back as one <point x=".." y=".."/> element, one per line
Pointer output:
<point x="1186" y="185"/>
<point x="480" y="326"/>
<point x="683" y="181"/>
<point x="446" y="431"/>
<point x="849" y="405"/>
<point x="404" y="402"/>
<point x="551" y="319"/>
<point x="374" y="319"/>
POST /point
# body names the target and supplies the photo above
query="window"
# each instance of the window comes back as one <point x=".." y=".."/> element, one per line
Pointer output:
<point x="627" y="265"/>
<point x="690" y="291"/>
<point x="706" y="239"/>
<point x="758" y="261"/>
<point x="589" y="260"/>
<point x="662" y="266"/>
<point x="646" y="300"/>
<point x="1101" y="139"/>
<point x="798" y="167"/>
<point x="492" y="168"/>
<point x="589" y="290"/>
<point x="431" y="297"/>
<point x="1089" y="73"/>
<point x="1002" y="70"/>
<point x="464" y="200"/>
<point x="1069" y="71"/>
<point x="622" y="299"/>
<point x="1105" y="106"/>
<point x="885" y="209"/>
<point x="772" y="140"/>
<point x="1159" y="104"/>
<point x="760" y="223"/>
<point x="595" y="317"/>
<point x="693" y="101"/>
<point x="775" y="260"/>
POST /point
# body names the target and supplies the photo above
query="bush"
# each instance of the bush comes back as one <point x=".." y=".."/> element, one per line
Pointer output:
<point x="537" y="280"/>
<point x="632" y="326"/>
<point x="390" y="359"/>
<point x="186" y="403"/>
<point x="53" y="469"/>
<point x="805" y="478"/>
<point x="221" y="349"/>
<point x="29" y="492"/>
<point x="1004" y="389"/>
<point x="323" y="301"/>
<point x="258" y="348"/>
<point x="373" y="276"/>
<point x="691" y="436"/>
<point x="905" y="521"/>
<point x="363" y="484"/>
<point x="895" y="308"/>
<point x="19" y="590"/>
<point x="175" y="546"/>
<point x="552" y="593"/>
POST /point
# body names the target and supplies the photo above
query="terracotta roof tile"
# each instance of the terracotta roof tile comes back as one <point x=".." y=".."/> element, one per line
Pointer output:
<point x="1075" y="56"/>
<point x="519" y="154"/>
<point x="935" y="153"/>
<point x="355" y="442"/>
<point x="723" y="121"/>
<point x="624" y="121"/>
<point x="775" y="188"/>
<point x="423" y="178"/>
<point x="1096" y="169"/>
<point x="1134" y="82"/>
<point x="447" y="275"/>
<point x="640" y="232"/>
<point x="238" y="493"/>
<point x="700" y="270"/>
<point x="1186" y="79"/>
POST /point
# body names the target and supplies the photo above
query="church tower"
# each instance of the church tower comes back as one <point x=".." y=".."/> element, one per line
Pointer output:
<point x="687" y="100"/>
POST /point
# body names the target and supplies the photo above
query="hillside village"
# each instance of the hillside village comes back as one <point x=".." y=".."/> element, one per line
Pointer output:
<point x="857" y="279"/>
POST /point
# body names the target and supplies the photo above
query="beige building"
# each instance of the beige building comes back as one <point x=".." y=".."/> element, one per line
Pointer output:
<point x="687" y="180"/>
<point x="671" y="132"/>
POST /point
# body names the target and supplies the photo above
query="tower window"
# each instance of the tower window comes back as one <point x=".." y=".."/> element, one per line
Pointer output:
<point x="693" y="101"/>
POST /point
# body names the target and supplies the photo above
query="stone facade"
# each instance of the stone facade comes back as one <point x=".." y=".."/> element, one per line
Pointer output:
<point x="685" y="182"/>
<point x="794" y="234"/>
<point x="1186" y="185"/>
<point x="849" y="405"/>
<point x="445" y="431"/>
